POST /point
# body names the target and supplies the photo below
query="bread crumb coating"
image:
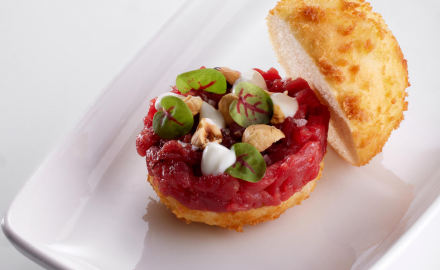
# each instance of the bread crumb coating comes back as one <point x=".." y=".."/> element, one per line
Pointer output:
<point x="235" y="220"/>
<point x="361" y="62"/>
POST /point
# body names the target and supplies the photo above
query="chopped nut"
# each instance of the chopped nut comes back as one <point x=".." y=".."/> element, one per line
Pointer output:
<point x="230" y="75"/>
<point x="262" y="136"/>
<point x="224" y="105"/>
<point x="278" y="115"/>
<point x="194" y="104"/>
<point x="206" y="132"/>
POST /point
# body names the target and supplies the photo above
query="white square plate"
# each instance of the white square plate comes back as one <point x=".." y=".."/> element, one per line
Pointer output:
<point x="90" y="206"/>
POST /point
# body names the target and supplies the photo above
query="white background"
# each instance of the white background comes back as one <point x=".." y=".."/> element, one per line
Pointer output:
<point x="55" y="58"/>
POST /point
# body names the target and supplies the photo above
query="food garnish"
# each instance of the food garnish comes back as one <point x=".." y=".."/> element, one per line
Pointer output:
<point x="223" y="107"/>
<point x="194" y="104"/>
<point x="253" y="106"/>
<point x="208" y="111"/>
<point x="216" y="159"/>
<point x="249" y="166"/>
<point x="262" y="136"/>
<point x="283" y="107"/>
<point x="207" y="79"/>
<point x="207" y="132"/>
<point x="174" y="120"/>
<point x="251" y="76"/>
<point x="230" y="75"/>
<point x="159" y="98"/>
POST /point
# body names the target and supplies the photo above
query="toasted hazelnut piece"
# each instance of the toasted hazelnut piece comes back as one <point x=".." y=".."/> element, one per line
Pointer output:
<point x="224" y="105"/>
<point x="194" y="104"/>
<point x="262" y="136"/>
<point x="278" y="115"/>
<point x="207" y="132"/>
<point x="230" y="75"/>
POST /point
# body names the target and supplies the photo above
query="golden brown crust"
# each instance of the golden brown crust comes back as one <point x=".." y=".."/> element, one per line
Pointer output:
<point x="235" y="220"/>
<point x="361" y="62"/>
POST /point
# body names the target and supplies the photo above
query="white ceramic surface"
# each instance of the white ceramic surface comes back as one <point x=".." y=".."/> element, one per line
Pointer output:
<point x="89" y="206"/>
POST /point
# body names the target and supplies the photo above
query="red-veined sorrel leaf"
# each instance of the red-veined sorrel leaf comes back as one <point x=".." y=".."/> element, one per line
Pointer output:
<point x="250" y="165"/>
<point x="174" y="120"/>
<point x="254" y="106"/>
<point x="207" y="79"/>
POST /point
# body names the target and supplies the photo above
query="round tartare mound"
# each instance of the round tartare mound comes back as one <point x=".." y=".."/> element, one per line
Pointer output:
<point x="293" y="163"/>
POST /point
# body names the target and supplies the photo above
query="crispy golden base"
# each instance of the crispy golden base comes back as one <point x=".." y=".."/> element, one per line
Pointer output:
<point x="235" y="220"/>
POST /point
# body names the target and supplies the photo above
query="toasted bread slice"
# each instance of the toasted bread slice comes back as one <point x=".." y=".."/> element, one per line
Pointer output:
<point x="352" y="61"/>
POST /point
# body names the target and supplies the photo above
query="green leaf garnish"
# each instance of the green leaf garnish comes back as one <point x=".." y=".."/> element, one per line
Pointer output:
<point x="207" y="79"/>
<point x="250" y="165"/>
<point x="174" y="120"/>
<point x="254" y="106"/>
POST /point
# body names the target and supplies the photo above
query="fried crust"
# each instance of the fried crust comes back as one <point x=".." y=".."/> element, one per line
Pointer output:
<point x="235" y="220"/>
<point x="361" y="62"/>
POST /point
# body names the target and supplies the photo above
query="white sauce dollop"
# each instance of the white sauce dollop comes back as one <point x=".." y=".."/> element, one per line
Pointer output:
<point x="288" y="105"/>
<point x="216" y="159"/>
<point x="159" y="98"/>
<point x="207" y="111"/>
<point x="251" y="76"/>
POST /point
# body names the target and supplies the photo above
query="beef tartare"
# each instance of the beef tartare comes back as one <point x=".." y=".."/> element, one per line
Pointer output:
<point x="236" y="152"/>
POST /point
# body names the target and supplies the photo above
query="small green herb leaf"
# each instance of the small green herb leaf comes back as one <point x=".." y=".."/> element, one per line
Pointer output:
<point x="174" y="120"/>
<point x="207" y="79"/>
<point x="250" y="165"/>
<point x="253" y="106"/>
